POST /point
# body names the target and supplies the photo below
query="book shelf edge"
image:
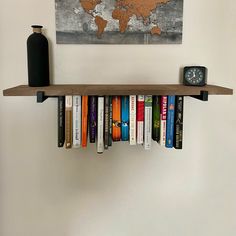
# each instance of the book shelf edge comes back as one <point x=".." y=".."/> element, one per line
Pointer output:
<point x="85" y="89"/>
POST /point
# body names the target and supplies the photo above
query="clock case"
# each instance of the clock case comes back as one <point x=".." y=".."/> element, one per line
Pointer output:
<point x="204" y="71"/>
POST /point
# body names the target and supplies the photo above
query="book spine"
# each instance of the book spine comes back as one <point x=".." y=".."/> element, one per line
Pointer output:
<point x="163" y="120"/>
<point x="170" y="122"/>
<point x="84" y="120"/>
<point x="68" y="122"/>
<point x="116" y="118"/>
<point x="148" y="122"/>
<point x="156" y="118"/>
<point x="76" y="121"/>
<point x="92" y="118"/>
<point x="178" y="134"/>
<point x="140" y="118"/>
<point x="110" y="121"/>
<point x="106" y="122"/>
<point x="125" y="118"/>
<point x="100" y="141"/>
<point x="61" y="121"/>
<point x="132" y="119"/>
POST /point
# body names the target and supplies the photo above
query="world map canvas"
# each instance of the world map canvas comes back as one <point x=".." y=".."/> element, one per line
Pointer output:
<point x="119" y="22"/>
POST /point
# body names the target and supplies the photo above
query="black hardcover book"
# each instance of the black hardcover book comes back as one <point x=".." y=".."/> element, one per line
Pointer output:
<point x="61" y="121"/>
<point x="178" y="129"/>
<point x="110" y="121"/>
<point x="106" y="122"/>
<point x="156" y="118"/>
<point x="92" y="118"/>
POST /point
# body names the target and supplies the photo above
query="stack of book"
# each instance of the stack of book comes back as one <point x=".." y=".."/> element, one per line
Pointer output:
<point x="106" y="119"/>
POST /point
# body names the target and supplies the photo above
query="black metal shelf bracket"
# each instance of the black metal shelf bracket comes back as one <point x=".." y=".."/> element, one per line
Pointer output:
<point x="203" y="96"/>
<point x="41" y="97"/>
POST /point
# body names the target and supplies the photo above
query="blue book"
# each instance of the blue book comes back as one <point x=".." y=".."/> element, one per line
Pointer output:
<point x="170" y="121"/>
<point x="125" y="118"/>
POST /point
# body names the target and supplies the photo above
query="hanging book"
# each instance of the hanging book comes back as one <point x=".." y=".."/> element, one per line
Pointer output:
<point x="156" y="118"/>
<point x="61" y="121"/>
<point x="163" y="120"/>
<point x="148" y="122"/>
<point x="68" y="122"/>
<point x="110" y="121"/>
<point x="125" y="118"/>
<point x="132" y="119"/>
<point x="178" y="132"/>
<point x="84" y="120"/>
<point x="170" y="122"/>
<point x="140" y="118"/>
<point x="76" y="121"/>
<point x="92" y="118"/>
<point x="116" y="118"/>
<point x="106" y="122"/>
<point x="100" y="126"/>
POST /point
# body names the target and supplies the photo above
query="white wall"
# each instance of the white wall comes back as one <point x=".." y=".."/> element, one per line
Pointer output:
<point x="49" y="191"/>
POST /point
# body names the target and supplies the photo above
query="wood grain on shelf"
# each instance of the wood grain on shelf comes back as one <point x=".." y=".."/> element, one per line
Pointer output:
<point x="116" y="89"/>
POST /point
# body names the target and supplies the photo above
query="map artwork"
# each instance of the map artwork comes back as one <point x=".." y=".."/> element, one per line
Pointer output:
<point x="119" y="21"/>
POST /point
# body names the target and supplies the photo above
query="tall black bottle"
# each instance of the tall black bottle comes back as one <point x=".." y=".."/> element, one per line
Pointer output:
<point x="38" y="58"/>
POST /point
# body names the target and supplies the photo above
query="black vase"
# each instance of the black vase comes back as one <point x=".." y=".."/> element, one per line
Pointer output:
<point x="38" y="59"/>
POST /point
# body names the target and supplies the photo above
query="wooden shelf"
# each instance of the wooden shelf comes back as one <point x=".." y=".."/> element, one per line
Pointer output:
<point x="116" y="89"/>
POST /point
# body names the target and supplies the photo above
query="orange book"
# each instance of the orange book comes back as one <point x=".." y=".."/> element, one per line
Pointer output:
<point x="84" y="120"/>
<point x="116" y="118"/>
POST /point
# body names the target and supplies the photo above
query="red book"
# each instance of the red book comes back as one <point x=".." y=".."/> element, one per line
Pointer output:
<point x="163" y="116"/>
<point x="84" y="120"/>
<point x="140" y="118"/>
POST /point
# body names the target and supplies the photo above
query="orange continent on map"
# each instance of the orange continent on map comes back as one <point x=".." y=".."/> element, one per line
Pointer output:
<point x="89" y="5"/>
<point x="125" y="9"/>
<point x="155" y="30"/>
<point x="101" y="24"/>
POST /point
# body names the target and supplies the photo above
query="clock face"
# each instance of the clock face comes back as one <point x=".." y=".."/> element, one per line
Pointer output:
<point x="194" y="75"/>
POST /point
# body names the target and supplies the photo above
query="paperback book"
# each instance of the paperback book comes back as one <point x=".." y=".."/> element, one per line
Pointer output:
<point x="68" y="122"/>
<point x="110" y="121"/>
<point x="178" y="132"/>
<point x="156" y="118"/>
<point x="125" y="118"/>
<point x="170" y="122"/>
<point x="163" y="120"/>
<point x="116" y="118"/>
<point x="76" y="121"/>
<point x="148" y="122"/>
<point x="92" y="118"/>
<point x="61" y="121"/>
<point x="132" y="119"/>
<point x="84" y="120"/>
<point x="140" y="118"/>
<point x="100" y="141"/>
<point x="106" y="122"/>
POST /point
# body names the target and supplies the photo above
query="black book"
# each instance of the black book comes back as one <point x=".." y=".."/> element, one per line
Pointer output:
<point x="156" y="118"/>
<point x="92" y="118"/>
<point x="106" y="122"/>
<point x="178" y="129"/>
<point x="110" y="121"/>
<point x="61" y="121"/>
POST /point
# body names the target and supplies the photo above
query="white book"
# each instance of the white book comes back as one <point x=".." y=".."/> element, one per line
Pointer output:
<point x="148" y="122"/>
<point x="132" y="119"/>
<point x="76" y="121"/>
<point x="140" y="118"/>
<point x="68" y="121"/>
<point x="100" y="125"/>
<point x="163" y="116"/>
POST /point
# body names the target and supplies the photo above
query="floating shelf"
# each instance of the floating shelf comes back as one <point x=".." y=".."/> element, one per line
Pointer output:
<point x="116" y="89"/>
<point x="42" y="93"/>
